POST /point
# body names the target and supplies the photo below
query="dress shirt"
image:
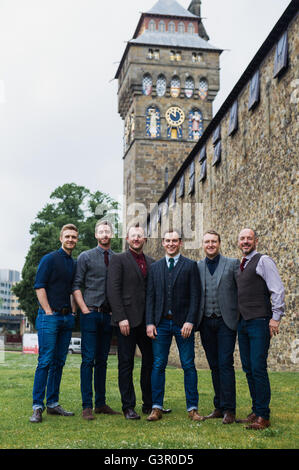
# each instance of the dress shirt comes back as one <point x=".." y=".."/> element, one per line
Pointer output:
<point x="55" y="274"/>
<point x="140" y="260"/>
<point x="176" y="258"/>
<point x="91" y="275"/>
<point x="267" y="270"/>
<point x="212" y="264"/>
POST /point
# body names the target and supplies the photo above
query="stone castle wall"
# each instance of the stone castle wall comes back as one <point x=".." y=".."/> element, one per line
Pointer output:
<point x="254" y="186"/>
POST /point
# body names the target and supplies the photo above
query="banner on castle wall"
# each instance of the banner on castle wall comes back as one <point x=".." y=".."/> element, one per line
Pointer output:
<point x="30" y="343"/>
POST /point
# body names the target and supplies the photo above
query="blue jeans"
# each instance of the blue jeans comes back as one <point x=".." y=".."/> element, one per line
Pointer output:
<point x="219" y="344"/>
<point x="54" y="335"/>
<point x="96" y="333"/>
<point x="254" y="342"/>
<point x="161" y="345"/>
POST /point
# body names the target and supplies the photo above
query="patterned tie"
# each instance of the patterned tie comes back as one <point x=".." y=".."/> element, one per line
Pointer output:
<point x="171" y="264"/>
<point x="106" y="257"/>
<point x="242" y="265"/>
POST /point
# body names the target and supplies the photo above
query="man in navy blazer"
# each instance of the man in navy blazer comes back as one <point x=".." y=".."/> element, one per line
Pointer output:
<point x="172" y="303"/>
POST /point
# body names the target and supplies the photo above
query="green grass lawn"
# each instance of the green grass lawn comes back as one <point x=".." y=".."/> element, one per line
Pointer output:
<point x="174" y="431"/>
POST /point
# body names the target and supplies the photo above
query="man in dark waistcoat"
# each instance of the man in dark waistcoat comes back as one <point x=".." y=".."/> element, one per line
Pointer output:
<point x="261" y="306"/>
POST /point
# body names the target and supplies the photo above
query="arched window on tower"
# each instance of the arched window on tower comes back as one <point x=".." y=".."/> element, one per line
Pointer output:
<point x="162" y="27"/>
<point x="171" y="27"/>
<point x="147" y="84"/>
<point x="191" y="28"/>
<point x="189" y="87"/>
<point x="203" y="88"/>
<point x="166" y="178"/>
<point x="152" y="25"/>
<point x="161" y="85"/>
<point x="195" y="124"/>
<point x="181" y="28"/>
<point x="175" y="87"/>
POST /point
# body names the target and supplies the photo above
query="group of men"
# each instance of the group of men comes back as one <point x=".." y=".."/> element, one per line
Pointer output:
<point x="149" y="302"/>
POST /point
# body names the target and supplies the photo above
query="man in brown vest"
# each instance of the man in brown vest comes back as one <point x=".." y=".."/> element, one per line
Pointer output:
<point x="261" y="306"/>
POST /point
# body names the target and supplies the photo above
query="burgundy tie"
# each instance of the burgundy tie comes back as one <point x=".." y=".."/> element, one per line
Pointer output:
<point x="106" y="257"/>
<point x="242" y="265"/>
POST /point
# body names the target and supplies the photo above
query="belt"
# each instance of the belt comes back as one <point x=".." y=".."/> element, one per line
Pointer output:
<point x="98" y="309"/>
<point x="63" y="311"/>
<point x="168" y="317"/>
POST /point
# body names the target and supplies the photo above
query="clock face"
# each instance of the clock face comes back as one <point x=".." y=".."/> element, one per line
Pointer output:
<point x="175" y="116"/>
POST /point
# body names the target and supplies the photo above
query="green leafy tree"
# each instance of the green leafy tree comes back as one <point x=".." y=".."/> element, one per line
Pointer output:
<point x="69" y="203"/>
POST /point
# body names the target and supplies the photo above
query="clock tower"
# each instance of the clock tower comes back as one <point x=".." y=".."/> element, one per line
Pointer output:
<point x="168" y="78"/>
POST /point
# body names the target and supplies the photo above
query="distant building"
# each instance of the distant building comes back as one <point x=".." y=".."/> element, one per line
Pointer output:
<point x="12" y="320"/>
<point x="9" y="304"/>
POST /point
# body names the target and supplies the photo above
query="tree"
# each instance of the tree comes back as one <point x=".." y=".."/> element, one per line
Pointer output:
<point x="70" y="203"/>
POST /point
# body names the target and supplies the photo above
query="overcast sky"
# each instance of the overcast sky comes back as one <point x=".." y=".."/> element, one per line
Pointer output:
<point x="58" y="100"/>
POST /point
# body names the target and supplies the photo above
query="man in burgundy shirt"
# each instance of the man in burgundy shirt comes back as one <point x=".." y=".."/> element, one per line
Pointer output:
<point x="126" y="288"/>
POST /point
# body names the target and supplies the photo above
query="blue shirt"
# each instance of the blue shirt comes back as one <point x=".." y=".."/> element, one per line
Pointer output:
<point x="212" y="264"/>
<point x="55" y="274"/>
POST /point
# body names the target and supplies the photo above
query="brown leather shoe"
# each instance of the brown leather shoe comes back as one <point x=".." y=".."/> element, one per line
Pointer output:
<point x="215" y="414"/>
<point x="259" y="424"/>
<point x="195" y="416"/>
<point x="87" y="414"/>
<point x="106" y="410"/>
<point x="155" y="415"/>
<point x="250" y="419"/>
<point x="228" y="417"/>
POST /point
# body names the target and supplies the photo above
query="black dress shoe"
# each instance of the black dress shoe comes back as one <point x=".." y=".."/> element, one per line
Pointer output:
<point x="130" y="413"/>
<point x="36" y="416"/>
<point x="58" y="410"/>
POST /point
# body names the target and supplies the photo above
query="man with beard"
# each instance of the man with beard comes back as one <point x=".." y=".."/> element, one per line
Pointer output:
<point x="261" y="307"/>
<point x="54" y="323"/>
<point x="95" y="320"/>
<point x="127" y="277"/>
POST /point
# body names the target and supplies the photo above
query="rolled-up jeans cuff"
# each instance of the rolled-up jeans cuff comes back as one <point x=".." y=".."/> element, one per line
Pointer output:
<point x="52" y="405"/>
<point x="158" y="406"/>
<point x="192" y="408"/>
<point x="38" y="407"/>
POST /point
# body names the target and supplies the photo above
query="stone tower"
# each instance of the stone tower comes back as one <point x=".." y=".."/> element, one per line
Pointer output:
<point x="168" y="78"/>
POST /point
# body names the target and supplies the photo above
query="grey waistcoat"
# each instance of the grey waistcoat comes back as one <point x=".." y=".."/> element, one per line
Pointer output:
<point x="211" y="301"/>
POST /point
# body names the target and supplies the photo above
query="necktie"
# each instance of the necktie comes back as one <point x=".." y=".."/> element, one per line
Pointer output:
<point x="242" y="265"/>
<point x="106" y="258"/>
<point x="171" y="264"/>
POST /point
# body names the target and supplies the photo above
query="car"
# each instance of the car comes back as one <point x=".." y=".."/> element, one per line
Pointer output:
<point x="75" y="346"/>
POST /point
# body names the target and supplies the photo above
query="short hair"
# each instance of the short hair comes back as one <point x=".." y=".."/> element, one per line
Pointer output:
<point x="213" y="232"/>
<point x="136" y="225"/>
<point x="68" y="227"/>
<point x="171" y="230"/>
<point x="103" y="222"/>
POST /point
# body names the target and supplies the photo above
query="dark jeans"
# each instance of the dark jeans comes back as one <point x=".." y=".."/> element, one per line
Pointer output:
<point x="96" y="333"/>
<point x="254" y="342"/>
<point x="161" y="345"/>
<point x="54" y="335"/>
<point x="126" y="353"/>
<point x="219" y="344"/>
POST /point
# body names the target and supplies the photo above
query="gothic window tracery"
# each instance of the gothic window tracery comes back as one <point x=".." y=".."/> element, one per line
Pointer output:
<point x="189" y="87"/>
<point x="161" y="85"/>
<point x="175" y="87"/>
<point x="203" y="88"/>
<point x="147" y="84"/>
<point x="152" y="25"/>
